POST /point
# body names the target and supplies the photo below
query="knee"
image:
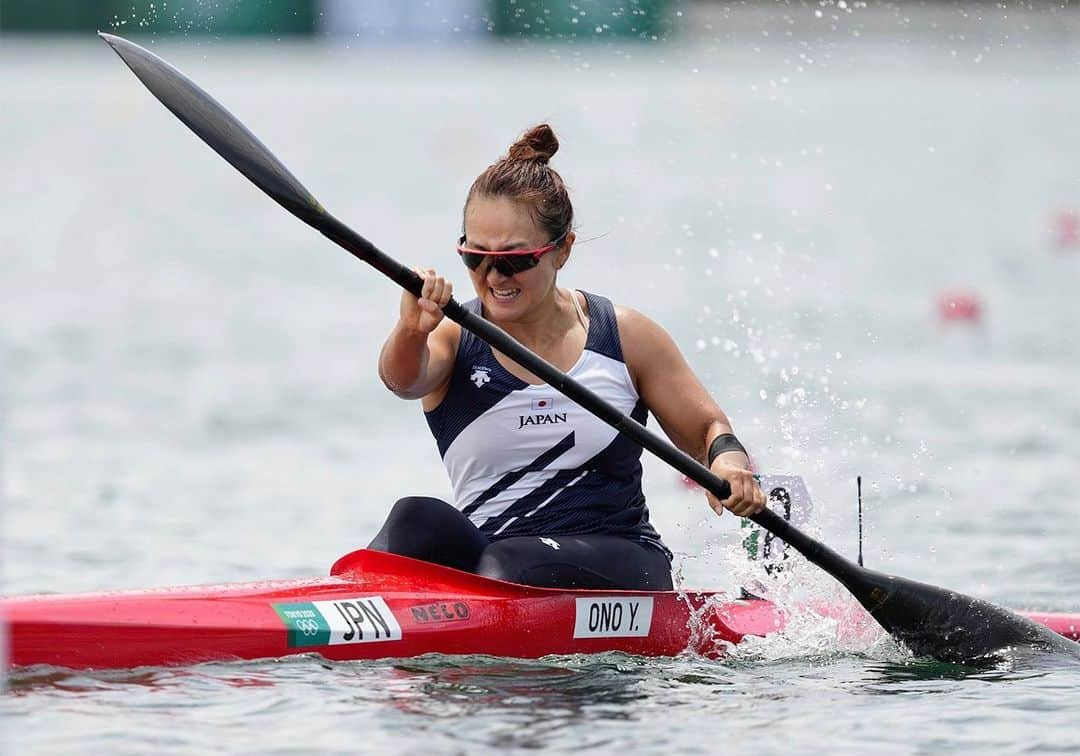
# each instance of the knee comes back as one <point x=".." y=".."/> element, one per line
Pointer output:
<point x="408" y="527"/>
<point x="415" y="509"/>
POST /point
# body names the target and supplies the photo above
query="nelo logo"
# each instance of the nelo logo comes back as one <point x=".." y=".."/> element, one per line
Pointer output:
<point x="454" y="612"/>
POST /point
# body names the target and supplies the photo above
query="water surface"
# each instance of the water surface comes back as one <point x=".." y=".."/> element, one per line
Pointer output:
<point x="190" y="392"/>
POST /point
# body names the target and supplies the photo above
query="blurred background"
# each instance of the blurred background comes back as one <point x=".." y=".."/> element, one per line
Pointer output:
<point x="860" y="221"/>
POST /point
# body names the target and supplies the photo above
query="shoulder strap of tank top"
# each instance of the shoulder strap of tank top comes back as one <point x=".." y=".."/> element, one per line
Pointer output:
<point x="470" y="343"/>
<point x="580" y="313"/>
<point x="603" y="327"/>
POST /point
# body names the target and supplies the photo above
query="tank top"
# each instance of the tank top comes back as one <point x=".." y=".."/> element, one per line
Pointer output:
<point x="525" y="460"/>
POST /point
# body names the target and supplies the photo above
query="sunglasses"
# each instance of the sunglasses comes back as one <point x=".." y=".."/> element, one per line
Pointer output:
<point x="510" y="261"/>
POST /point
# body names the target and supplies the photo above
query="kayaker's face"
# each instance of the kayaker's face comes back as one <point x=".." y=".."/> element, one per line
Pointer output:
<point x="494" y="224"/>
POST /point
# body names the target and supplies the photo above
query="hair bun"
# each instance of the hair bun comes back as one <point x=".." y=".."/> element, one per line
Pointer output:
<point x="538" y="144"/>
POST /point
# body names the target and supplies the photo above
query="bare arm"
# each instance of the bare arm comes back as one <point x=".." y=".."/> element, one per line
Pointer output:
<point x="687" y="413"/>
<point x="418" y="355"/>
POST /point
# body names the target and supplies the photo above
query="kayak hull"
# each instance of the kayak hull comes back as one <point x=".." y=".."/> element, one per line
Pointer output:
<point x="377" y="605"/>
<point x="113" y="631"/>
<point x="374" y="605"/>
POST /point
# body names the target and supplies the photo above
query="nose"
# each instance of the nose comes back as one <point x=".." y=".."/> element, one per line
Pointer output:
<point x="500" y="268"/>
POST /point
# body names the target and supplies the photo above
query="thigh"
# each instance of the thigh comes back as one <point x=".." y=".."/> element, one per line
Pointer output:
<point x="588" y="561"/>
<point x="426" y="528"/>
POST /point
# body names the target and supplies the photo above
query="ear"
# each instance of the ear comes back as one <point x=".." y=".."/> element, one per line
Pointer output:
<point x="564" y="252"/>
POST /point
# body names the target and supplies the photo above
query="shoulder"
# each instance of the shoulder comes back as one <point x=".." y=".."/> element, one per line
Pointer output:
<point x="449" y="335"/>
<point x="645" y="343"/>
<point x="629" y="321"/>
<point x="637" y="327"/>
<point x="446" y="334"/>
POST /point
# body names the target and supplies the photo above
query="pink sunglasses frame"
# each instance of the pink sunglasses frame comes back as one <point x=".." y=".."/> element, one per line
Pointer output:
<point x="514" y="266"/>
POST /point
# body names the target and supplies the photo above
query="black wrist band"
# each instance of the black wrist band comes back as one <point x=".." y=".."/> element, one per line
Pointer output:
<point x="725" y="442"/>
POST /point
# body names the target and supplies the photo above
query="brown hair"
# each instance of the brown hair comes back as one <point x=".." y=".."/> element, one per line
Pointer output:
<point x="525" y="176"/>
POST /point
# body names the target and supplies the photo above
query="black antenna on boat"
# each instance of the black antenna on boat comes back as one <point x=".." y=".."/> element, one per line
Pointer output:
<point x="858" y="487"/>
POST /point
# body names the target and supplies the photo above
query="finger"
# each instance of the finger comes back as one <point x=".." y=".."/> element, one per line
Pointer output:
<point x="754" y="500"/>
<point x="448" y="292"/>
<point x="760" y="499"/>
<point x="423" y="280"/>
<point x="429" y="286"/>
<point x="746" y="508"/>
<point x="752" y="495"/>
<point x="420" y="273"/>
<point x="733" y="501"/>
<point x="714" y="504"/>
<point x="438" y="291"/>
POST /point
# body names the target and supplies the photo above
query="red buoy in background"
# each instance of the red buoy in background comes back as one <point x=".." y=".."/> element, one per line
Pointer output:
<point x="959" y="307"/>
<point x="1065" y="227"/>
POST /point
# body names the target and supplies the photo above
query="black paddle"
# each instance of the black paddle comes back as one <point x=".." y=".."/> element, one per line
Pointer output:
<point x="930" y="621"/>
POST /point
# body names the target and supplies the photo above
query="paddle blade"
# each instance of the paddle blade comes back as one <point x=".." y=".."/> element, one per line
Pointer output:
<point x="930" y="621"/>
<point x="946" y="625"/>
<point x="218" y="128"/>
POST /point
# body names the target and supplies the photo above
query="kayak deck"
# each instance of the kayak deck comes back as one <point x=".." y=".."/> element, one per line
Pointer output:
<point x="376" y="605"/>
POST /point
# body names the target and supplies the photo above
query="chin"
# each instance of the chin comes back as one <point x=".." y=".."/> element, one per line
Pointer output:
<point x="505" y="308"/>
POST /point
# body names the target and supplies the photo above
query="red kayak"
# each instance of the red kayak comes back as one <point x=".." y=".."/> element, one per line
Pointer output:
<point x="376" y="605"/>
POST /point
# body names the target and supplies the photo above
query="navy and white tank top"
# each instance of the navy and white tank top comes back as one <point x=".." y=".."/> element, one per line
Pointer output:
<point x="525" y="460"/>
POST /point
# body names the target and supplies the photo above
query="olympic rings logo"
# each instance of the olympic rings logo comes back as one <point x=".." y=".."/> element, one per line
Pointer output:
<point x="308" y="627"/>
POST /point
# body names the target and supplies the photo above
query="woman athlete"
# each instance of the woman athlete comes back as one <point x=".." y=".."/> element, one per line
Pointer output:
<point x="545" y="493"/>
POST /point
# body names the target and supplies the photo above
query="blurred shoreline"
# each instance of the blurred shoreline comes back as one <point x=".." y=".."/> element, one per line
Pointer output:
<point x="834" y="22"/>
<point x="841" y="22"/>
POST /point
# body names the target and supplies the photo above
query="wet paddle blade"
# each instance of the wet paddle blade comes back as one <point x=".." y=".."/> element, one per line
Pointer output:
<point x="946" y="625"/>
<point x="930" y="621"/>
<point x="218" y="128"/>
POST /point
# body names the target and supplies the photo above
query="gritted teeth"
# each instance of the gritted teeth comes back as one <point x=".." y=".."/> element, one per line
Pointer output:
<point x="505" y="293"/>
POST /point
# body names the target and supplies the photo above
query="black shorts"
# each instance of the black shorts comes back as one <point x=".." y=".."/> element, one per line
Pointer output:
<point x="430" y="529"/>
